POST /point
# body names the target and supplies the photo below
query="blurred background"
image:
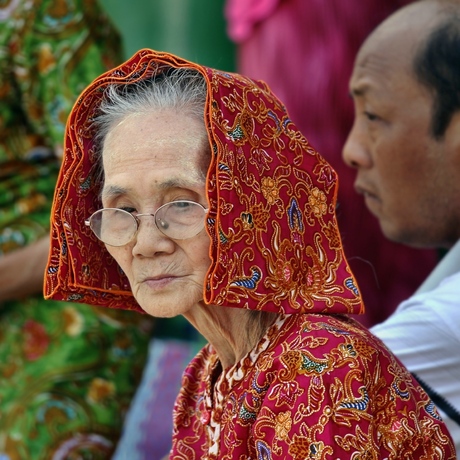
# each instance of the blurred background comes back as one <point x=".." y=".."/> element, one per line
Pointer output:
<point x="192" y="29"/>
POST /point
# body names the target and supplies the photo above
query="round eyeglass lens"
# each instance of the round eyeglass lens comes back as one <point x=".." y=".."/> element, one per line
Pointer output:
<point x="114" y="227"/>
<point x="180" y="219"/>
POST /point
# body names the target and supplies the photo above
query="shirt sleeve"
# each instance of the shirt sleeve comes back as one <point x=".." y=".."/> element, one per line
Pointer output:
<point x="424" y="334"/>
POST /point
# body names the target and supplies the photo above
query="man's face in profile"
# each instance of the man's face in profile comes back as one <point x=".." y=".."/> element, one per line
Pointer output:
<point x="401" y="168"/>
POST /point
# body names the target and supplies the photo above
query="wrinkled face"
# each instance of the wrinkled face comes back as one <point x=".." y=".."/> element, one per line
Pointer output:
<point x="405" y="174"/>
<point x="149" y="160"/>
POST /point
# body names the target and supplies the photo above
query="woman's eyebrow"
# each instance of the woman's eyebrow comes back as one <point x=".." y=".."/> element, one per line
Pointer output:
<point x="113" y="191"/>
<point x="181" y="182"/>
<point x="359" y="90"/>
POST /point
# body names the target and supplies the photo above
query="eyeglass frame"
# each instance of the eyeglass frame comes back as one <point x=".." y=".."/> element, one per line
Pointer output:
<point x="137" y="221"/>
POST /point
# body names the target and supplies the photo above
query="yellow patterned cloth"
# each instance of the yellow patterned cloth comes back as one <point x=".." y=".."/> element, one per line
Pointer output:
<point x="67" y="371"/>
<point x="318" y="385"/>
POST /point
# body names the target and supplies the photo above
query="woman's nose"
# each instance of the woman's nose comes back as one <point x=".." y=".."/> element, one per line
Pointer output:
<point x="355" y="152"/>
<point x="149" y="240"/>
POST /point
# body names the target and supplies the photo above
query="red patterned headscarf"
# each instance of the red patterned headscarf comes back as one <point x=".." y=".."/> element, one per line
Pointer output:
<point x="275" y="245"/>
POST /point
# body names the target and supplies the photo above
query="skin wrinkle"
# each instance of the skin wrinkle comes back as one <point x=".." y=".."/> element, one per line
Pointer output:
<point x="112" y="192"/>
<point x="156" y="145"/>
<point x="183" y="143"/>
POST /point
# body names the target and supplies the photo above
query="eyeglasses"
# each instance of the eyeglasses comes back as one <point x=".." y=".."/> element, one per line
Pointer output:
<point x="178" y="220"/>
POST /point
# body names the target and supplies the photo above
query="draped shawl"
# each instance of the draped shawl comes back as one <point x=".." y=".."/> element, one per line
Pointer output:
<point x="275" y="245"/>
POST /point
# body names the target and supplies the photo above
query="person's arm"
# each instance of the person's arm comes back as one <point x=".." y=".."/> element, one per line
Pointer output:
<point x="57" y="76"/>
<point x="424" y="334"/>
<point x="22" y="271"/>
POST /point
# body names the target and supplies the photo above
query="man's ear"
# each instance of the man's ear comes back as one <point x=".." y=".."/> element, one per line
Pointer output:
<point x="452" y="140"/>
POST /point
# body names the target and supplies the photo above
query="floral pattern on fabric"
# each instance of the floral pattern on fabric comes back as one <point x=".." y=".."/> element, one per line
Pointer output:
<point x="67" y="371"/>
<point x="67" y="374"/>
<point x="316" y="387"/>
<point x="273" y="225"/>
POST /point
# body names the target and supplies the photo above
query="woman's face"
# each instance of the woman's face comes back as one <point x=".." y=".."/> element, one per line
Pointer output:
<point x="150" y="159"/>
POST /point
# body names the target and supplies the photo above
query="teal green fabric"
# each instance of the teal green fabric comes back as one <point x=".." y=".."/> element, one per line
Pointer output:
<point x="192" y="29"/>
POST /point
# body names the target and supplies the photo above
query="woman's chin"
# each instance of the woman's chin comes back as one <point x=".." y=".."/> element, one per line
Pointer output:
<point x="158" y="312"/>
<point x="169" y="302"/>
<point x="163" y="308"/>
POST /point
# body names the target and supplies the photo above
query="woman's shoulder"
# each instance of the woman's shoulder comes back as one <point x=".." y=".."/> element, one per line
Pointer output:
<point x="321" y="332"/>
<point x="329" y="347"/>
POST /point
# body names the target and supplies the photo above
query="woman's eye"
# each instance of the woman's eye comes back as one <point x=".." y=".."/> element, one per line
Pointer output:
<point x="128" y="209"/>
<point x="181" y="204"/>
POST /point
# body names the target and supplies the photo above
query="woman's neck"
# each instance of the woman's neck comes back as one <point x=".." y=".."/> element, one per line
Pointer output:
<point x="233" y="332"/>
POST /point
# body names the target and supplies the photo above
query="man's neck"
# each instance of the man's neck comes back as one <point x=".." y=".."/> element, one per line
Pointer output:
<point x="448" y="265"/>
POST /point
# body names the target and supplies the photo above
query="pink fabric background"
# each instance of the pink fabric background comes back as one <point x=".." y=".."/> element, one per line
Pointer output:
<point x="304" y="50"/>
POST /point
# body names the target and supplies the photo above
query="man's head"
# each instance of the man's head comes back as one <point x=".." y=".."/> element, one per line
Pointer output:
<point x="405" y="141"/>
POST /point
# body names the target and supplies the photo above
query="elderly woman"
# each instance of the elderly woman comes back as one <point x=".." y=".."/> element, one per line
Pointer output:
<point x="189" y="191"/>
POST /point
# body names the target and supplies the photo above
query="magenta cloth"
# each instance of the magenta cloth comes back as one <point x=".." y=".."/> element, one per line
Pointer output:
<point x="304" y="50"/>
<point x="243" y="14"/>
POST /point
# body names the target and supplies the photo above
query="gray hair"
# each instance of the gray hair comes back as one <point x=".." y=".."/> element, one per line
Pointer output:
<point x="182" y="89"/>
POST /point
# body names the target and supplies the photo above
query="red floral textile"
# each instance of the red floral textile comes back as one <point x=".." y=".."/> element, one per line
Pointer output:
<point x="318" y="385"/>
<point x="275" y="244"/>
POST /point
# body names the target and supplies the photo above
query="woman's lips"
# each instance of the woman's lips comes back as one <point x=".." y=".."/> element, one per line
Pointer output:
<point x="160" y="281"/>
